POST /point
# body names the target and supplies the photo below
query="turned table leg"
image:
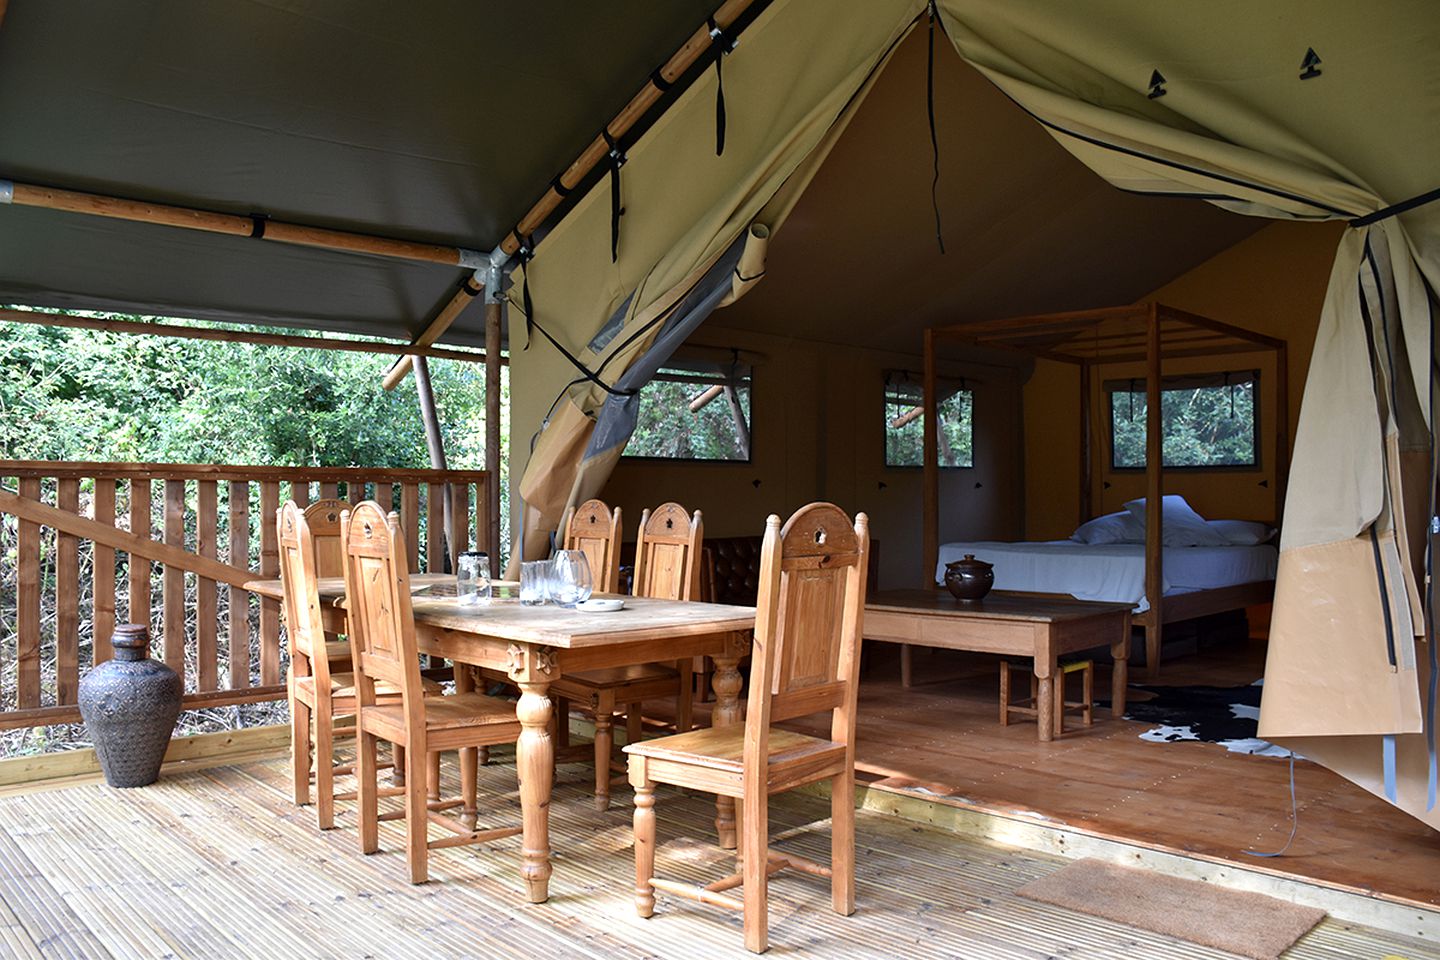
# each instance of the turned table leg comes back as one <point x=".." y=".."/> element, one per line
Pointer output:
<point x="535" y="766"/>
<point x="1120" y="676"/>
<point x="726" y="683"/>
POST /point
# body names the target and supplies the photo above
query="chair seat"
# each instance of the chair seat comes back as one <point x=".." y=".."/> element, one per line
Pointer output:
<point x="794" y="757"/>
<point x="457" y="713"/>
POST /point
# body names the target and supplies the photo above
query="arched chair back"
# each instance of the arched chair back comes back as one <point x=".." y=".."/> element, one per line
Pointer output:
<point x="378" y="610"/>
<point x="594" y="529"/>
<point x="323" y="519"/>
<point x="301" y="595"/>
<point x="667" y="553"/>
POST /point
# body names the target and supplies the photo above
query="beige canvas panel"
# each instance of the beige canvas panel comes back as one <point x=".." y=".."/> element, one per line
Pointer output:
<point x="1359" y="760"/>
<point x="802" y="74"/>
<point x="1327" y="671"/>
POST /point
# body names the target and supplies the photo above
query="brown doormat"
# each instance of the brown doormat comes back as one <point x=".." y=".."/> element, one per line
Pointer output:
<point x="1249" y="924"/>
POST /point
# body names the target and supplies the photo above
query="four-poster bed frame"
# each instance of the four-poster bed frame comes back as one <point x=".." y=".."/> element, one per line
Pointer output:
<point x="1151" y="332"/>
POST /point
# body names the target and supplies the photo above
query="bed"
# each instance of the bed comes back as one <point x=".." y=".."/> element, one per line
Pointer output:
<point x="1168" y="580"/>
<point x="1114" y="572"/>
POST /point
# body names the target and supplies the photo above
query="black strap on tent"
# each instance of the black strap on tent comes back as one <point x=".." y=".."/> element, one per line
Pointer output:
<point x="526" y="253"/>
<point x="560" y="189"/>
<point x="658" y="78"/>
<point x="257" y="225"/>
<point x="617" y="160"/>
<point x="934" y="141"/>
<point x="1395" y="209"/>
<point x="725" y="42"/>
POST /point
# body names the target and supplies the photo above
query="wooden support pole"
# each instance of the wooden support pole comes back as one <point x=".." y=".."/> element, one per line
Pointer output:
<point x="469" y="290"/>
<point x="932" y="468"/>
<point x="492" y="433"/>
<point x="704" y="397"/>
<point x="1154" y="494"/>
<point x="206" y="221"/>
<point x="136" y="327"/>
<point x="435" y="444"/>
<point x="1087" y="466"/>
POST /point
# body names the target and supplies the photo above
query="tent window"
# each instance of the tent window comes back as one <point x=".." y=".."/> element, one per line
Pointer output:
<point x="1208" y="421"/>
<point x="695" y="412"/>
<point x="905" y="421"/>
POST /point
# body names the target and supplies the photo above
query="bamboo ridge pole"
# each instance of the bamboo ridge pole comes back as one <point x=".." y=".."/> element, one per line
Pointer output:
<point x="700" y="41"/>
<point x="138" y="327"/>
<point x="119" y="208"/>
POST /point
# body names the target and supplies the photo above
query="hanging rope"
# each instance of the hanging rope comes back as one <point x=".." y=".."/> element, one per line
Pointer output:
<point x="934" y="140"/>
<point x="726" y="43"/>
<point x="617" y="160"/>
<point x="526" y="254"/>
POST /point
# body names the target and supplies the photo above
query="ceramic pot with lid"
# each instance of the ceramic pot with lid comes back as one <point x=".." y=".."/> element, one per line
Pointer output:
<point x="969" y="579"/>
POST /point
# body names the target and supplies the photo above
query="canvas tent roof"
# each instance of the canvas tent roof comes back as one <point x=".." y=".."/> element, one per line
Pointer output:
<point x="363" y="115"/>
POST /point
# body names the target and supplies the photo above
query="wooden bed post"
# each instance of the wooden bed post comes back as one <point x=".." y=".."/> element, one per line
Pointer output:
<point x="1087" y="507"/>
<point x="1154" y="493"/>
<point x="931" y="481"/>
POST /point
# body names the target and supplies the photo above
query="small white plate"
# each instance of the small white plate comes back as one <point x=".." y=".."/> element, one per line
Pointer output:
<point x="601" y="605"/>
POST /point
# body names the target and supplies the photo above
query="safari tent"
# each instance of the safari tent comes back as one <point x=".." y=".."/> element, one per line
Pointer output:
<point x="813" y="193"/>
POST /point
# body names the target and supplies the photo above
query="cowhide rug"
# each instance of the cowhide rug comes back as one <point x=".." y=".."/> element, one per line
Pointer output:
<point x="1228" y="716"/>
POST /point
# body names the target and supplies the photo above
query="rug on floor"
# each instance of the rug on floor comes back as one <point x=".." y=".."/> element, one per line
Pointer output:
<point x="1248" y="924"/>
<point x="1228" y="716"/>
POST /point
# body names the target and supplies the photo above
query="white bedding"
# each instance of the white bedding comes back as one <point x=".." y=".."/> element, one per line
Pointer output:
<point x="1112" y="571"/>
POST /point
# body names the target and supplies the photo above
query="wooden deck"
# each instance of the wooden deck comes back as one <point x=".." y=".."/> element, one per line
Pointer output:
<point x="218" y="863"/>
<point x="941" y="741"/>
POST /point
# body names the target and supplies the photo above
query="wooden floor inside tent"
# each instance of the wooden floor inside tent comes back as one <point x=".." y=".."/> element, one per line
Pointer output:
<point x="941" y="741"/>
<point x="218" y="862"/>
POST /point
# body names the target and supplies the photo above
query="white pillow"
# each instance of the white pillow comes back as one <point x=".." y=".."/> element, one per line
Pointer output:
<point x="1242" y="533"/>
<point x="1182" y="526"/>
<point x="1118" y="527"/>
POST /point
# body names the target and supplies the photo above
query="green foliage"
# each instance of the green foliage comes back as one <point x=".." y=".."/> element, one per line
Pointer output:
<point x="88" y="395"/>
<point x="666" y="428"/>
<point x="1201" y="426"/>
<point x="905" y="444"/>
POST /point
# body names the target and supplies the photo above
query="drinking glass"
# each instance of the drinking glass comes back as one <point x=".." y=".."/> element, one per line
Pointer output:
<point x="472" y="578"/>
<point x="571" y="582"/>
<point x="534" y="582"/>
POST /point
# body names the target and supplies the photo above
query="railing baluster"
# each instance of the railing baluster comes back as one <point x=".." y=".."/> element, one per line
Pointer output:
<point x="27" y="649"/>
<point x="410" y="520"/>
<point x="329" y="490"/>
<point x="434" y="527"/>
<point x="460" y="510"/>
<point x="206" y="597"/>
<point x="172" y="595"/>
<point x="269" y="568"/>
<point x="139" y="608"/>
<point x="355" y="490"/>
<point x="67" y="598"/>
<point x="300" y="493"/>
<point x="239" y="556"/>
<point x="103" y="576"/>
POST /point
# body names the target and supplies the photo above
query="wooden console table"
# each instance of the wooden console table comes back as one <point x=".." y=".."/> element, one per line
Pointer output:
<point x="1017" y="624"/>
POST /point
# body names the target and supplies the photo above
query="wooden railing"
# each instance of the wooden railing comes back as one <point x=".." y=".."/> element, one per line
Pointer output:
<point x="179" y="532"/>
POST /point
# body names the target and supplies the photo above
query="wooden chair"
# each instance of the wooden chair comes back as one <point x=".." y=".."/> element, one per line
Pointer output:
<point x="805" y="660"/>
<point x="382" y="641"/>
<point x="667" y="566"/>
<point x="318" y="693"/>
<point x="595" y="530"/>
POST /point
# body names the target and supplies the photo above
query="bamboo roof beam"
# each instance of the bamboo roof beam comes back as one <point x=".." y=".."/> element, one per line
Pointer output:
<point x="143" y="327"/>
<point x="235" y="225"/>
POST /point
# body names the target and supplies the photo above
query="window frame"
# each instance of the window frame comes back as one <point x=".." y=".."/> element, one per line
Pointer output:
<point x="904" y="377"/>
<point x="673" y="376"/>
<point x="1112" y="388"/>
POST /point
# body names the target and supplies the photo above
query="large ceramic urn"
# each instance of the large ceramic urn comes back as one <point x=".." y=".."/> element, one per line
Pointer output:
<point x="130" y="704"/>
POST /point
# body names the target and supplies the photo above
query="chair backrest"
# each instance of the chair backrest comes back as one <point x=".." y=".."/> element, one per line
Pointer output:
<point x="377" y="605"/>
<point x="668" y="553"/>
<point x="323" y="519"/>
<point x="808" y="620"/>
<point x="301" y="595"/>
<point x="594" y="529"/>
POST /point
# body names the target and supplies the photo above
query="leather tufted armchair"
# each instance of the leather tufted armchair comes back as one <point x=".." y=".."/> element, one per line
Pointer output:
<point x="731" y="573"/>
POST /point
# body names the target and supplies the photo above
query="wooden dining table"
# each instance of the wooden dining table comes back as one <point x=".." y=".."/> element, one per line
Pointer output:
<point x="536" y="645"/>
